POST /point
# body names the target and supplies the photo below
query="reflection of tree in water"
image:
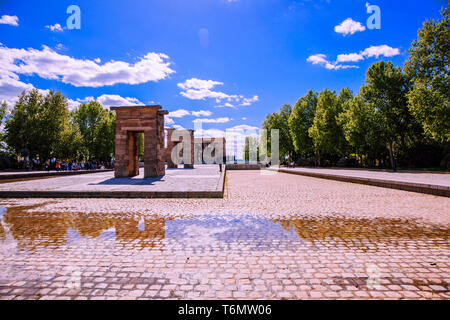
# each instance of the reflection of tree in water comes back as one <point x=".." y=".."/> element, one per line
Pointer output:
<point x="33" y="229"/>
<point x="36" y="229"/>
<point x="361" y="232"/>
<point x="127" y="231"/>
<point x="2" y="231"/>
<point x="92" y="224"/>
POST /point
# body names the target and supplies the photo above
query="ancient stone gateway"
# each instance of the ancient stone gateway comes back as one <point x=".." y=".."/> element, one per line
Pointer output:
<point x="215" y="149"/>
<point x="181" y="145"/>
<point x="131" y="121"/>
<point x="182" y="149"/>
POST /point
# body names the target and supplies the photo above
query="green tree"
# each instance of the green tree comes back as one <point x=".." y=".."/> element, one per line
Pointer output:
<point x="361" y="125"/>
<point x="280" y="121"/>
<point x="36" y="123"/>
<point x="70" y="146"/>
<point x="301" y="120"/>
<point x="386" y="91"/>
<point x="429" y="65"/>
<point x="141" y="146"/>
<point x="326" y="133"/>
<point x="106" y="136"/>
<point x="3" y="109"/>
<point x="251" y="142"/>
<point x="97" y="128"/>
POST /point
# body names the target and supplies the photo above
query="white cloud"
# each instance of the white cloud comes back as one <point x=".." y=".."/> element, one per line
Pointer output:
<point x="373" y="51"/>
<point x="198" y="84"/>
<point x="49" y="64"/>
<point x="243" y="127"/>
<point x="217" y="120"/>
<point x="112" y="100"/>
<point x="55" y="28"/>
<point x="179" y="113"/>
<point x="249" y="101"/>
<point x="317" y="59"/>
<point x="244" y="118"/>
<point x="201" y="113"/>
<point x="383" y="50"/>
<point x="321" y="59"/>
<point x="11" y="20"/>
<point x="72" y="104"/>
<point x="11" y="88"/>
<point x="235" y="137"/>
<point x="198" y="89"/>
<point x="225" y="105"/>
<point x="349" y="26"/>
<point x="168" y="121"/>
<point x="98" y="60"/>
<point x="209" y="133"/>
<point x="351" y="57"/>
<point x="60" y="47"/>
<point x="335" y="66"/>
<point x="178" y="127"/>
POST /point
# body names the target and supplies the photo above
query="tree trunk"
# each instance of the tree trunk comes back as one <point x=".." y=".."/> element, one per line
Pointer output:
<point x="391" y="155"/>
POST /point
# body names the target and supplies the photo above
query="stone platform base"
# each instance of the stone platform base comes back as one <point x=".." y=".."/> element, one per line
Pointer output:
<point x="245" y="166"/>
<point x="204" y="181"/>
<point x="435" y="184"/>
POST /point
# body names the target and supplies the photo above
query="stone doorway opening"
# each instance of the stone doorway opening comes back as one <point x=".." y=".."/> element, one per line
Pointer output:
<point x="130" y="121"/>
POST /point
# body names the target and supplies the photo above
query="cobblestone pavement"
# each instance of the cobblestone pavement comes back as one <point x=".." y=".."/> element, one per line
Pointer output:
<point x="440" y="179"/>
<point x="202" y="178"/>
<point x="277" y="236"/>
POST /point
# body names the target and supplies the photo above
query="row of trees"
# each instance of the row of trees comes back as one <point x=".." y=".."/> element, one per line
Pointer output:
<point x="398" y="115"/>
<point x="41" y="127"/>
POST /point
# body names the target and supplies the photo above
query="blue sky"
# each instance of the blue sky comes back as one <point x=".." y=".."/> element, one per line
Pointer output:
<point x="230" y="62"/>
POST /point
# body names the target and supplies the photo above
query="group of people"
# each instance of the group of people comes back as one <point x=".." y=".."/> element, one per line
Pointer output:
<point x="75" y="166"/>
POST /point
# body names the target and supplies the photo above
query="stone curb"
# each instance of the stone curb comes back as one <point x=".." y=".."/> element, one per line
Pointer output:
<point x="436" y="190"/>
<point x="244" y="166"/>
<point x="217" y="193"/>
<point x="112" y="194"/>
<point x="30" y="175"/>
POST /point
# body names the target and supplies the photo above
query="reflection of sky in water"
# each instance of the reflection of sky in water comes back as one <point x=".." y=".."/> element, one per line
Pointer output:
<point x="224" y="232"/>
<point x="72" y="236"/>
<point x="197" y="233"/>
<point x="30" y="230"/>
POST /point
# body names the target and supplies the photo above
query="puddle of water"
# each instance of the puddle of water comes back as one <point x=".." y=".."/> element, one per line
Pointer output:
<point x="32" y="230"/>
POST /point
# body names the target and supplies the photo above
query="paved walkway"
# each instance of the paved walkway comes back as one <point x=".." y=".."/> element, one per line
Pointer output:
<point x="276" y="236"/>
<point x="441" y="179"/>
<point x="204" y="178"/>
<point x="12" y="176"/>
<point x="432" y="183"/>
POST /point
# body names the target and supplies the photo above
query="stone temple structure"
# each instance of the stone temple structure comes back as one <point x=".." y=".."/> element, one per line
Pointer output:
<point x="174" y="141"/>
<point x="130" y="121"/>
<point x="149" y="120"/>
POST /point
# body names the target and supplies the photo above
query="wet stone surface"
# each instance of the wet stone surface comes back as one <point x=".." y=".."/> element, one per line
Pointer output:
<point x="192" y="249"/>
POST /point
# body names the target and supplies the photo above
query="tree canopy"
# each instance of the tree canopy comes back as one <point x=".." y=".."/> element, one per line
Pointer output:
<point x="36" y="123"/>
<point x="428" y="66"/>
<point x="97" y="128"/>
<point x="42" y="127"/>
